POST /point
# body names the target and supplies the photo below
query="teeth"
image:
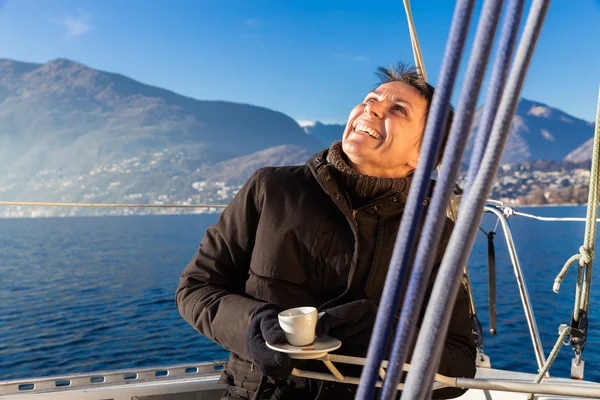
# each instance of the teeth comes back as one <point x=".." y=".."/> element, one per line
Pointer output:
<point x="367" y="130"/>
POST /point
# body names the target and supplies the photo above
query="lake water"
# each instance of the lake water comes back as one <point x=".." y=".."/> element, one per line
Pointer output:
<point x="90" y="294"/>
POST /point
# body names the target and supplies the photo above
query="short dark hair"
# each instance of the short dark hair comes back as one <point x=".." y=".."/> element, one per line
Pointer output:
<point x="409" y="75"/>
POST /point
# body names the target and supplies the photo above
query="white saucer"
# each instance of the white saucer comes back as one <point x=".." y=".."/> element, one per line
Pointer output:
<point x="317" y="349"/>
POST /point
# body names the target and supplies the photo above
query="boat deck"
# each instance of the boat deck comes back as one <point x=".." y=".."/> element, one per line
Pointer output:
<point x="200" y="382"/>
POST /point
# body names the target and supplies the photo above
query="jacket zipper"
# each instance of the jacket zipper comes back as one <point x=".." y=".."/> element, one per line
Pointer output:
<point x="353" y="212"/>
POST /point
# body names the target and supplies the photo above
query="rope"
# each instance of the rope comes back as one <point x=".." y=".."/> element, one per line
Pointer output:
<point x="435" y="221"/>
<point x="452" y="211"/>
<point x="500" y="69"/>
<point x="430" y="343"/>
<point x="116" y="205"/>
<point x="585" y="258"/>
<point x="407" y="232"/>
<point x="564" y="331"/>
<point x="590" y="227"/>
<point x="586" y="252"/>
<point x="578" y="286"/>
<point x="561" y="275"/>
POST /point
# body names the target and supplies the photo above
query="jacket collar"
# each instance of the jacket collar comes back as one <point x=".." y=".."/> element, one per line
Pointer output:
<point x="328" y="178"/>
<point x="316" y="163"/>
<point x="331" y="184"/>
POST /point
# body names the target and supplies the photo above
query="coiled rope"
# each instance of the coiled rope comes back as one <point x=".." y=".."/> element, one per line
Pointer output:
<point x="578" y="328"/>
<point x="586" y="252"/>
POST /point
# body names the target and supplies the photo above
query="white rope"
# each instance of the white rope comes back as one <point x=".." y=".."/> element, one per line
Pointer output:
<point x="563" y="272"/>
<point x="585" y="256"/>
<point x="563" y="331"/>
<point x="586" y="252"/>
<point x="590" y="228"/>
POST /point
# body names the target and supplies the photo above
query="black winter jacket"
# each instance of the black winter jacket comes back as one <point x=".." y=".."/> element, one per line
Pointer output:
<point x="291" y="237"/>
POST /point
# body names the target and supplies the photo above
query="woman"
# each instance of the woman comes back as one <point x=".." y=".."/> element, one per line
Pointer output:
<point x="318" y="235"/>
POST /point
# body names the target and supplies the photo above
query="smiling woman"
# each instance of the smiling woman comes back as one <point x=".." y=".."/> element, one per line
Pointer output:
<point x="318" y="235"/>
<point x="383" y="134"/>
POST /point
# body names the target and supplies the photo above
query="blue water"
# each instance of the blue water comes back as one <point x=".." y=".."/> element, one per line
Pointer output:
<point x="90" y="294"/>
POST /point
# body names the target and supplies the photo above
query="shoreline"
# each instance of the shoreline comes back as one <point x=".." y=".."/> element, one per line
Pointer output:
<point x="211" y="212"/>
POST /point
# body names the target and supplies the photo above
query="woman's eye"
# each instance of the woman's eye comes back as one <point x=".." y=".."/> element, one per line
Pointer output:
<point x="370" y="100"/>
<point x="399" y="108"/>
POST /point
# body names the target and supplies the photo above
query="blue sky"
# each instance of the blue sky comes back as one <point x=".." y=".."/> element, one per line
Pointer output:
<point x="313" y="60"/>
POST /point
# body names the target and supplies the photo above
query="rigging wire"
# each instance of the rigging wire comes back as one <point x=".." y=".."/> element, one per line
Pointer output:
<point x="413" y="212"/>
<point x="553" y="219"/>
<point x="431" y="341"/>
<point x="415" y="41"/>
<point x="434" y="221"/>
<point x="454" y="203"/>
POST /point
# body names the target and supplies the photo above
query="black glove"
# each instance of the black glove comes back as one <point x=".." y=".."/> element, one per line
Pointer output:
<point x="264" y="326"/>
<point x="347" y="320"/>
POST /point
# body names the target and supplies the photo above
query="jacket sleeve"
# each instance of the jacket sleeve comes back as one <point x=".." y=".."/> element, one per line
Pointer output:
<point x="458" y="358"/>
<point x="211" y="294"/>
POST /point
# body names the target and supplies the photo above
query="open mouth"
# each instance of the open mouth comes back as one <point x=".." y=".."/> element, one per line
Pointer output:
<point x="369" y="131"/>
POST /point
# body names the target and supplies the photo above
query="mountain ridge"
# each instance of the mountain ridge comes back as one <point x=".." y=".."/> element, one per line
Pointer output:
<point x="72" y="133"/>
<point x="531" y="137"/>
<point x="63" y="103"/>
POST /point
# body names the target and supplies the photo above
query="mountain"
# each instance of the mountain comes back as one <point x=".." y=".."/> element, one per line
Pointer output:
<point x="103" y="136"/>
<point x="325" y="133"/>
<point x="582" y="153"/>
<point x="538" y="132"/>
<point x="65" y="115"/>
<point x="71" y="133"/>
<point x="163" y="177"/>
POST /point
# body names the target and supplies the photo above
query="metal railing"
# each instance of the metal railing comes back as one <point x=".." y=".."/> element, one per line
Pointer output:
<point x="527" y="308"/>
<point x="96" y="379"/>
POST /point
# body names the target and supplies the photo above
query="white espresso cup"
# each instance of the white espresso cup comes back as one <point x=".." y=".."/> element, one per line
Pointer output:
<point x="299" y="325"/>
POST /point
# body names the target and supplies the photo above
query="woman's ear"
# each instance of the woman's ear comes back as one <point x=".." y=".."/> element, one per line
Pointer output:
<point x="412" y="162"/>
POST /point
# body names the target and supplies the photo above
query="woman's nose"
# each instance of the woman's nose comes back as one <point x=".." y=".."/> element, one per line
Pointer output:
<point x="374" y="109"/>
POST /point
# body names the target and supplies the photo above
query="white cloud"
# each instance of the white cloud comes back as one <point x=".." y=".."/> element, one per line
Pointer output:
<point x="361" y="58"/>
<point x="78" y="24"/>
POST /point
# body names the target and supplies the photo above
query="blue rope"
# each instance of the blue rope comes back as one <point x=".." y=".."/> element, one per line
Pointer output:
<point x="506" y="46"/>
<point x="436" y="122"/>
<point x="436" y="219"/>
<point x="430" y="343"/>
